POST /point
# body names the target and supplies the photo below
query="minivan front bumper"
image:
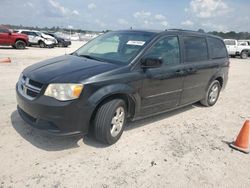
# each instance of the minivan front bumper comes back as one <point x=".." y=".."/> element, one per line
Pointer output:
<point x="55" y="117"/>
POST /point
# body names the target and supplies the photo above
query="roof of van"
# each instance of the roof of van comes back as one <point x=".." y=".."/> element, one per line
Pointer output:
<point x="173" y="31"/>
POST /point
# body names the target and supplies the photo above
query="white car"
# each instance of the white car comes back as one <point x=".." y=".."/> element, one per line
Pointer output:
<point x="39" y="38"/>
<point x="236" y="48"/>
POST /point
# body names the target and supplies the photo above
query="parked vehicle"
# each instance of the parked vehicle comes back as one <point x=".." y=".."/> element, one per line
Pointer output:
<point x="16" y="40"/>
<point x="61" y="41"/>
<point x="120" y="75"/>
<point x="235" y="48"/>
<point x="40" y="39"/>
<point x="244" y="42"/>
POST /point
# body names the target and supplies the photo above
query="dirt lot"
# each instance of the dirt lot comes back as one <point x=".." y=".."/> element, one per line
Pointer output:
<point x="184" y="148"/>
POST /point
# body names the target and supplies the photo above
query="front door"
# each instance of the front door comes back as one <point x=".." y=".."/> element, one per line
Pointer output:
<point x="162" y="86"/>
<point x="5" y="37"/>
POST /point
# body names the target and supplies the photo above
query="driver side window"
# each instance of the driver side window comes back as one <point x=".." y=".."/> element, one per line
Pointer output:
<point x="3" y="30"/>
<point x="167" y="49"/>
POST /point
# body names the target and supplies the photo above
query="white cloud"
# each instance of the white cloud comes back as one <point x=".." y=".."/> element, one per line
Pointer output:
<point x="142" y="14"/>
<point x="30" y="4"/>
<point x="164" y="23"/>
<point x="58" y="7"/>
<point x="54" y="9"/>
<point x="208" y="8"/>
<point x="91" y="6"/>
<point x="146" y="22"/>
<point x="214" y="26"/>
<point x="160" y="17"/>
<point x="100" y="23"/>
<point x="122" y="21"/>
<point x="147" y="19"/>
<point x="187" y="23"/>
<point x="75" y="12"/>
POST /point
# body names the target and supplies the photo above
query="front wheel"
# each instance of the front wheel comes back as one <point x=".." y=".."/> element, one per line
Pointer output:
<point x="110" y="121"/>
<point x="42" y="44"/>
<point x="212" y="94"/>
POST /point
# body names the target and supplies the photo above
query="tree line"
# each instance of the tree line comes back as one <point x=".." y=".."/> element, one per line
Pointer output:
<point x="225" y="35"/>
<point x="232" y="35"/>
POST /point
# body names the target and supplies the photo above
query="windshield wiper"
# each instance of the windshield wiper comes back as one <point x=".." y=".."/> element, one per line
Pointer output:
<point x="89" y="57"/>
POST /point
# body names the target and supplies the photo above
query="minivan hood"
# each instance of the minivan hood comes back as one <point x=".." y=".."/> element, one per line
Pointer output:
<point x="66" y="69"/>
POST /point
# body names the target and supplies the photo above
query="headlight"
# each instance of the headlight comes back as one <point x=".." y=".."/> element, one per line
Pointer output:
<point x="64" y="92"/>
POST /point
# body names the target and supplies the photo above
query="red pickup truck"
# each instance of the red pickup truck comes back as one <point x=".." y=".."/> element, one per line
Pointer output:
<point x="16" y="40"/>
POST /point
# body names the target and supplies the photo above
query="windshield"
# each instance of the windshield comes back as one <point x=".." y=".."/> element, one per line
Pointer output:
<point x="115" y="47"/>
<point x="39" y="34"/>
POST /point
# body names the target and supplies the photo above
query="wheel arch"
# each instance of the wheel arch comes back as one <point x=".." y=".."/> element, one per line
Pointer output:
<point x="21" y="40"/>
<point x="219" y="77"/>
<point x="130" y="103"/>
<point x="117" y="91"/>
<point x="41" y="40"/>
<point x="245" y="50"/>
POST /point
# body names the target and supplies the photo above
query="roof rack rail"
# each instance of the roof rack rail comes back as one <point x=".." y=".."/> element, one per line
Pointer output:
<point x="174" y="29"/>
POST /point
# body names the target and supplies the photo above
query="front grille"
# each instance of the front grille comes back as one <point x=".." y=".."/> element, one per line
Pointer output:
<point x="29" y="88"/>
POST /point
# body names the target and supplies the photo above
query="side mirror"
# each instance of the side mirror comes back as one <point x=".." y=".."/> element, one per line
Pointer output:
<point x="151" y="62"/>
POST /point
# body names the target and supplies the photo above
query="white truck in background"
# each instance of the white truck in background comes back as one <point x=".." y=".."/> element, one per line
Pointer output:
<point x="236" y="48"/>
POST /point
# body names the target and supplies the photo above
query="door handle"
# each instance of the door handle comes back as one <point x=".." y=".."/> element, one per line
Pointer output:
<point x="180" y="72"/>
<point x="191" y="70"/>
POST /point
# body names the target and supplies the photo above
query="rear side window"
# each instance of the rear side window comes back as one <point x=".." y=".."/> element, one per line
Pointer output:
<point x="230" y="42"/>
<point x="2" y="30"/>
<point x="217" y="48"/>
<point x="25" y="32"/>
<point x="195" y="49"/>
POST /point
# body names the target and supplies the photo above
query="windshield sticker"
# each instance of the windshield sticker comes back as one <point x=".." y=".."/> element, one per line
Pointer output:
<point x="136" y="43"/>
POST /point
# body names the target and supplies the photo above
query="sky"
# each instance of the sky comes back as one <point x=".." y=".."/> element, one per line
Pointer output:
<point x="98" y="15"/>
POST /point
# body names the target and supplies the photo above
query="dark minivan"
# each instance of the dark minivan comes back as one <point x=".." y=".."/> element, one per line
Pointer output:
<point x="122" y="75"/>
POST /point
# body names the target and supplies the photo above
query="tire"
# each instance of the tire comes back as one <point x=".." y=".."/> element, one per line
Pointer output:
<point x="232" y="56"/>
<point x="244" y="55"/>
<point x="212" y="94"/>
<point x="20" y="44"/>
<point x="109" y="122"/>
<point x="42" y="44"/>
<point x="60" y="44"/>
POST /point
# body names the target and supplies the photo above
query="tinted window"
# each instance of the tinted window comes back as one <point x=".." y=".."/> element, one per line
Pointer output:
<point x="33" y="34"/>
<point x="195" y="49"/>
<point x="230" y="42"/>
<point x="25" y="32"/>
<point x="167" y="49"/>
<point x="3" y="30"/>
<point x="217" y="48"/>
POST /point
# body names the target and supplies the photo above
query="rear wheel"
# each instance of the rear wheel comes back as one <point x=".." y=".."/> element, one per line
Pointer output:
<point x="109" y="121"/>
<point x="42" y="44"/>
<point x="20" y="44"/>
<point x="212" y="94"/>
<point x="243" y="55"/>
<point x="60" y="44"/>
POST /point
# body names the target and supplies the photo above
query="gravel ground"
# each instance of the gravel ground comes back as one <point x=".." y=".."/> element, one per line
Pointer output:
<point x="183" y="148"/>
